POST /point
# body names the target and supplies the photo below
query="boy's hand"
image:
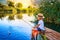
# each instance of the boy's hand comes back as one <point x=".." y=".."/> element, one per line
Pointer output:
<point x="37" y="26"/>
<point x="34" y="27"/>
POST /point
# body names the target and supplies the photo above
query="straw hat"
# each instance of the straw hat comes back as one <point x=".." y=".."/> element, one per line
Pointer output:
<point x="40" y="15"/>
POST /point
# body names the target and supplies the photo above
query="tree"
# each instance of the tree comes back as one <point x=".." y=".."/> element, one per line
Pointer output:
<point x="19" y="5"/>
<point x="29" y="10"/>
<point x="24" y="10"/>
<point x="10" y="4"/>
<point x="11" y="17"/>
<point x="1" y="6"/>
<point x="19" y="16"/>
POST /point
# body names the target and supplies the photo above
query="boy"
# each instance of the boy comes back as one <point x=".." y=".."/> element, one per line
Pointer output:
<point x="40" y="26"/>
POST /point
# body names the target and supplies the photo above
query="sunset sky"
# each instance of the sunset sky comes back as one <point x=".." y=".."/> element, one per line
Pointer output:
<point x="25" y="3"/>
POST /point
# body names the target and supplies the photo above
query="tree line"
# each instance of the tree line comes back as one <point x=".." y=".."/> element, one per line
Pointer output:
<point x="12" y="9"/>
<point x="51" y="11"/>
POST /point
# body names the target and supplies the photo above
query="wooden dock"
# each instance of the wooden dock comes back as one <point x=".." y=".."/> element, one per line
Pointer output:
<point x="52" y="35"/>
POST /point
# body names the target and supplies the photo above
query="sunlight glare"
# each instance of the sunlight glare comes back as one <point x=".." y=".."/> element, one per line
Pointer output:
<point x="25" y="3"/>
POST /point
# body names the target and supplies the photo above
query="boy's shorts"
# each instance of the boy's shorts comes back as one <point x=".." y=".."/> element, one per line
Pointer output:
<point x="38" y="29"/>
<point x="43" y="31"/>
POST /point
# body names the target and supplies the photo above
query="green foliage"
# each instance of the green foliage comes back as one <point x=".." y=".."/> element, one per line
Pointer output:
<point x="10" y="4"/>
<point x="51" y="10"/>
<point x="24" y="11"/>
<point x="1" y="6"/>
<point x="11" y="17"/>
<point x="29" y="9"/>
<point x="12" y="9"/>
<point x="18" y="11"/>
<point x="57" y="21"/>
<point x="19" y="16"/>
<point x="2" y="15"/>
<point x="19" y="5"/>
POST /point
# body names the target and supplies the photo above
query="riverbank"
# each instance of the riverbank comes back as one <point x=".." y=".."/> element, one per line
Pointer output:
<point x="53" y="26"/>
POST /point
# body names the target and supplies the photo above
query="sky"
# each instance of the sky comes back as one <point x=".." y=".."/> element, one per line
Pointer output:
<point x="3" y="1"/>
<point x="25" y="3"/>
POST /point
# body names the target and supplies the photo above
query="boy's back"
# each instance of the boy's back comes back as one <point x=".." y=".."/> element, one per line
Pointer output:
<point x="41" y="26"/>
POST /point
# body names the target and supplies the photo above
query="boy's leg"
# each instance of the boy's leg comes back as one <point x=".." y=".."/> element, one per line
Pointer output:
<point x="43" y="32"/>
<point x="39" y="30"/>
<point x="43" y="35"/>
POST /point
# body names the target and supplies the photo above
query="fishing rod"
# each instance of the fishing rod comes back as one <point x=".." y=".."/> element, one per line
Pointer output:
<point x="27" y="23"/>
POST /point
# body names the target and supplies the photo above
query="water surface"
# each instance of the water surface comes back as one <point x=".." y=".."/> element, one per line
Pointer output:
<point x="15" y="29"/>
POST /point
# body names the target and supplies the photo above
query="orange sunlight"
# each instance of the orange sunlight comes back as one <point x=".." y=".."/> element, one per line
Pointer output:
<point x="25" y="3"/>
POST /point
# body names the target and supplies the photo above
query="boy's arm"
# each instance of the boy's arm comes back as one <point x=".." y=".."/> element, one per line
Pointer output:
<point x="37" y="25"/>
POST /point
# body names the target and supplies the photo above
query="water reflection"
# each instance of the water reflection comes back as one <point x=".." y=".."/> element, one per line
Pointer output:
<point x="15" y="29"/>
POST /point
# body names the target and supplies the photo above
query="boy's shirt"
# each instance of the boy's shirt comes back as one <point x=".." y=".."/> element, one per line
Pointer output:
<point x="41" y="26"/>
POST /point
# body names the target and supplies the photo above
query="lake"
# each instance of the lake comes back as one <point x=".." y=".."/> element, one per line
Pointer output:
<point x="15" y="29"/>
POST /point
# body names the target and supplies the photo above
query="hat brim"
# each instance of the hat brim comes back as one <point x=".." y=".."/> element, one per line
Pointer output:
<point x="42" y="16"/>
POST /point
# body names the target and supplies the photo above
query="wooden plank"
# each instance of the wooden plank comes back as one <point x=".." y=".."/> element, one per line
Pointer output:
<point x="52" y="35"/>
